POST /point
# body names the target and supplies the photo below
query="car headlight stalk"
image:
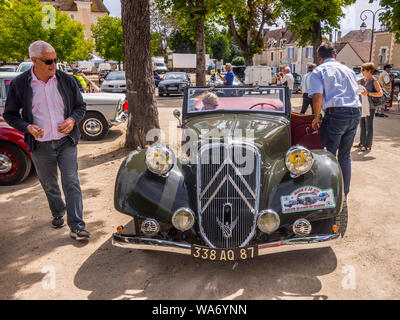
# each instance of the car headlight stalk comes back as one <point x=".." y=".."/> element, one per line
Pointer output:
<point x="298" y="160"/>
<point x="160" y="159"/>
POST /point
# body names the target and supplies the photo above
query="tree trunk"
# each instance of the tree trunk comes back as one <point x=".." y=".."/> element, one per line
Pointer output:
<point x="248" y="58"/>
<point x="143" y="113"/>
<point x="200" y="53"/>
<point x="317" y="39"/>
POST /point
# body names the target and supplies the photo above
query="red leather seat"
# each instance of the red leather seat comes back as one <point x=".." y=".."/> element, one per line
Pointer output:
<point x="302" y="132"/>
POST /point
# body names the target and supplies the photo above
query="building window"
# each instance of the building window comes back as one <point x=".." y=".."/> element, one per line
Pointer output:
<point x="309" y="52"/>
<point x="272" y="56"/>
<point x="292" y="68"/>
<point x="290" y="53"/>
<point x="72" y="17"/>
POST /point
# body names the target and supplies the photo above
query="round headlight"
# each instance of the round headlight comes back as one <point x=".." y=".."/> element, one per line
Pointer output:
<point x="159" y="159"/>
<point x="268" y="221"/>
<point x="299" y="160"/>
<point x="183" y="219"/>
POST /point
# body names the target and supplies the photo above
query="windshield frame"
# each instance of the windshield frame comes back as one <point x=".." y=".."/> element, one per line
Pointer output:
<point x="184" y="76"/>
<point x="186" y="115"/>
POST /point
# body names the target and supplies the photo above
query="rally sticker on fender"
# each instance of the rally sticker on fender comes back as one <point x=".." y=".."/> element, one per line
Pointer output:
<point x="308" y="198"/>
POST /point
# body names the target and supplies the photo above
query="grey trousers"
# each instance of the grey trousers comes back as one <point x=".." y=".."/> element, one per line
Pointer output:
<point x="62" y="154"/>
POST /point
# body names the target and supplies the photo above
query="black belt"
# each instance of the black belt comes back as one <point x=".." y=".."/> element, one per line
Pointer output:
<point x="328" y="110"/>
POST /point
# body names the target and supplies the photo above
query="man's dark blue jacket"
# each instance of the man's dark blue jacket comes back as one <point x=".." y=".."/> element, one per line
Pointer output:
<point x="19" y="98"/>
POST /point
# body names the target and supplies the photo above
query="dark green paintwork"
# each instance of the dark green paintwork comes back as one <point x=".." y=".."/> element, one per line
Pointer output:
<point x="140" y="192"/>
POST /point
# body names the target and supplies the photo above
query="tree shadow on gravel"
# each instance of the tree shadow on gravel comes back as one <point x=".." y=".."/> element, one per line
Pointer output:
<point x="119" y="273"/>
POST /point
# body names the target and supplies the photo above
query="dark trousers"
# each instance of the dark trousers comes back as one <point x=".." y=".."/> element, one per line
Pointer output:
<point x="62" y="154"/>
<point x="338" y="130"/>
<point x="367" y="129"/>
<point x="306" y="102"/>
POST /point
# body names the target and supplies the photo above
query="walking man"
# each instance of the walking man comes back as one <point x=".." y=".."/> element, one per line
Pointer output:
<point x="52" y="106"/>
<point x="385" y="80"/>
<point x="288" y="80"/>
<point x="334" y="89"/>
<point x="305" y="83"/>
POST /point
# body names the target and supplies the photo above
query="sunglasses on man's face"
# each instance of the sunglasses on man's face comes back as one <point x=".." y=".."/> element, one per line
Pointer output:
<point x="49" y="61"/>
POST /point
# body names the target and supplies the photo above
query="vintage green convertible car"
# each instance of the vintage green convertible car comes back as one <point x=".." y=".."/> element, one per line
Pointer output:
<point x="247" y="181"/>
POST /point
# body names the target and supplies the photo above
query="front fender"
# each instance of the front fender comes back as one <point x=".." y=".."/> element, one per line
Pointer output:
<point x="325" y="174"/>
<point x="139" y="192"/>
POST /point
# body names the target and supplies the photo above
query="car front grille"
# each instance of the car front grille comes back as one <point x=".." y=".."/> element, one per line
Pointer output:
<point x="228" y="190"/>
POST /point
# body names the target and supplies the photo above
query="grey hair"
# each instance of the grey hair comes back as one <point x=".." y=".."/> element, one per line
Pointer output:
<point x="228" y="65"/>
<point x="286" y="69"/>
<point x="37" y="48"/>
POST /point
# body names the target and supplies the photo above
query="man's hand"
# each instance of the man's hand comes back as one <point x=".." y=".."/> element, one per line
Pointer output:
<point x="316" y="123"/>
<point x="36" y="131"/>
<point x="66" y="126"/>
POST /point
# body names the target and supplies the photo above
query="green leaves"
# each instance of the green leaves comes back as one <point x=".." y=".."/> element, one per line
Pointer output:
<point x="23" y="22"/>
<point x="109" y="40"/>
<point x="392" y="16"/>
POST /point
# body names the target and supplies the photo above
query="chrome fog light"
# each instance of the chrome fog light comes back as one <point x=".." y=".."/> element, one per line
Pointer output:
<point x="159" y="159"/>
<point x="302" y="227"/>
<point x="183" y="219"/>
<point x="150" y="227"/>
<point x="268" y="221"/>
<point x="299" y="160"/>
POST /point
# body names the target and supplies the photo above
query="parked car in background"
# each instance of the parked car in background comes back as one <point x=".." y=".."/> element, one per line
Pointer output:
<point x="115" y="82"/>
<point x="103" y="110"/>
<point x="15" y="158"/>
<point x="8" y="68"/>
<point x="157" y="78"/>
<point x="173" y="83"/>
<point x="160" y="67"/>
<point x="232" y="196"/>
<point x="396" y="74"/>
<point x="297" y="82"/>
<point x="216" y="81"/>
<point x="102" y="75"/>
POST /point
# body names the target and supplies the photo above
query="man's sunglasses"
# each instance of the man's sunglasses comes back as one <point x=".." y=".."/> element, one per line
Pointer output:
<point x="49" y="61"/>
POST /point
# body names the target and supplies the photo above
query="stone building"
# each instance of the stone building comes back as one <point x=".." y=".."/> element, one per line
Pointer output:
<point x="385" y="50"/>
<point x="85" y="11"/>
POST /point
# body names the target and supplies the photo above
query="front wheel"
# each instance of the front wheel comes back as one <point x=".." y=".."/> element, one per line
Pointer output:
<point x="15" y="164"/>
<point x="93" y="126"/>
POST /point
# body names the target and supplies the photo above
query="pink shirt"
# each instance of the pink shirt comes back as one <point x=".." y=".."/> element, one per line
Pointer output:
<point x="47" y="107"/>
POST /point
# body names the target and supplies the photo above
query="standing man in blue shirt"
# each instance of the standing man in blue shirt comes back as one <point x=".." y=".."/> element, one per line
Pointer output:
<point x="228" y="79"/>
<point x="334" y="89"/>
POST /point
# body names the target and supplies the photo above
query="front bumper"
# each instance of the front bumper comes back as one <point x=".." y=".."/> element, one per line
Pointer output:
<point x="133" y="242"/>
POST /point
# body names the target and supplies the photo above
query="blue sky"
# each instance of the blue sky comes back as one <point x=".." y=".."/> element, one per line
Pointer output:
<point x="350" y="22"/>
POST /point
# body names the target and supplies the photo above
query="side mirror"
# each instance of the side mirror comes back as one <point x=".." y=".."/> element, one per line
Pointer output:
<point x="177" y="114"/>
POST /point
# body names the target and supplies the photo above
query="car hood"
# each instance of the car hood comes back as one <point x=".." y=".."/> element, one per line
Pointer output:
<point x="102" y="98"/>
<point x="269" y="134"/>
<point x="175" y="81"/>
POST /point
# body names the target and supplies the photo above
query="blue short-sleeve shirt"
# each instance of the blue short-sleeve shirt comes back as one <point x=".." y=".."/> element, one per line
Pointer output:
<point x="337" y="84"/>
<point x="229" y="78"/>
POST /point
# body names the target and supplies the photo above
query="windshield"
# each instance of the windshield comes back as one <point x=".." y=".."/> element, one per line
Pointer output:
<point x="174" y="76"/>
<point x="271" y="99"/>
<point x="116" y="76"/>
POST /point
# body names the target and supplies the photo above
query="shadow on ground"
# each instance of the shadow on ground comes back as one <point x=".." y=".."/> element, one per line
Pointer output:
<point x="119" y="273"/>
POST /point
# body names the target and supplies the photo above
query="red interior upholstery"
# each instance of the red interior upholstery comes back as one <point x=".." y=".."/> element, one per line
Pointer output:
<point x="303" y="133"/>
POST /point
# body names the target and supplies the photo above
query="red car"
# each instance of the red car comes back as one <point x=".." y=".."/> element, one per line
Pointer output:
<point x="15" y="158"/>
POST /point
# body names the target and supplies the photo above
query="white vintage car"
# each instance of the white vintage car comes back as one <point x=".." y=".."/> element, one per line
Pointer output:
<point x="103" y="110"/>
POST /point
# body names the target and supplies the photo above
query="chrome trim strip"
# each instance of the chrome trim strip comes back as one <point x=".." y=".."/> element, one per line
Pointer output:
<point x="241" y="194"/>
<point x="132" y="242"/>
<point x="213" y="195"/>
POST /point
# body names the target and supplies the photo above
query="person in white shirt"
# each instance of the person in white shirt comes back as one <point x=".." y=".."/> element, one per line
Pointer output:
<point x="288" y="79"/>
<point x="305" y="83"/>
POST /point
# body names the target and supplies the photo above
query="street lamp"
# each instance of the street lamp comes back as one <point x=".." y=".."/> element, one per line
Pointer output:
<point x="363" y="26"/>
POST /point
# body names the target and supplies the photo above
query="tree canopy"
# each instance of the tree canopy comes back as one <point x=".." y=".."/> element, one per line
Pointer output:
<point x="391" y="16"/>
<point x="310" y="19"/>
<point x="25" y="21"/>
<point x="109" y="40"/>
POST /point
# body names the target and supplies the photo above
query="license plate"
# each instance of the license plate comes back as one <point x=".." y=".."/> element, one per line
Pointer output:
<point x="172" y="88"/>
<point x="206" y="253"/>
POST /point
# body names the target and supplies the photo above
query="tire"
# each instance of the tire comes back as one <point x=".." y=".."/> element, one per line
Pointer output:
<point x="15" y="164"/>
<point x="161" y="94"/>
<point x="93" y="126"/>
